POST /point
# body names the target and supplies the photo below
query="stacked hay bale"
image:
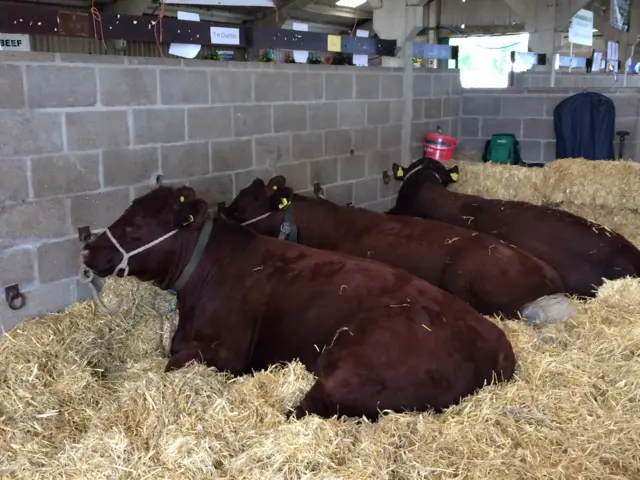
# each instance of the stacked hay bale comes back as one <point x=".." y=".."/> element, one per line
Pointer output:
<point x="83" y="395"/>
<point x="604" y="192"/>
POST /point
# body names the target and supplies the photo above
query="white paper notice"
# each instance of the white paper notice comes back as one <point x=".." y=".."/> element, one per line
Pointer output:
<point x="361" y="60"/>
<point x="185" y="50"/>
<point x="300" y="56"/>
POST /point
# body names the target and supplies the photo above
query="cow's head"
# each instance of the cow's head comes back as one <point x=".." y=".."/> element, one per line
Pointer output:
<point x="144" y="240"/>
<point x="258" y="201"/>
<point x="428" y="170"/>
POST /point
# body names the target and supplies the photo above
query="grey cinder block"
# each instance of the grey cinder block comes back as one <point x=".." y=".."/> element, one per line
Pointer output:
<point x="50" y="86"/>
<point x="231" y="155"/>
<point x="65" y="174"/>
<point x="128" y="86"/>
<point x="130" y="166"/>
<point x="92" y="130"/>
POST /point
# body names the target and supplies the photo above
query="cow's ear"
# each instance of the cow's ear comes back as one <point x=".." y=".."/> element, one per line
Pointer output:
<point x="280" y="198"/>
<point x="454" y="173"/>
<point x="398" y="171"/>
<point x="279" y="181"/>
<point x="281" y="195"/>
<point x="185" y="193"/>
<point x="192" y="213"/>
<point x="257" y="183"/>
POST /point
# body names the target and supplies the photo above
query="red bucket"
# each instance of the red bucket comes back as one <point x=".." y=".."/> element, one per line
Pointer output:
<point x="439" y="147"/>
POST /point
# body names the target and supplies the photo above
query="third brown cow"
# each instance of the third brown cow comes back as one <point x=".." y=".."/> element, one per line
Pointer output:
<point x="582" y="252"/>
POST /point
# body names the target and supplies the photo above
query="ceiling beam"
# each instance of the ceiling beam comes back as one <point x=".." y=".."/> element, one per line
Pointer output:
<point x="315" y="27"/>
<point x="485" y="30"/>
<point x="128" y="7"/>
<point x="39" y="20"/>
<point x="284" y="13"/>
<point x="368" y="25"/>
<point x="210" y="15"/>
<point x="338" y="11"/>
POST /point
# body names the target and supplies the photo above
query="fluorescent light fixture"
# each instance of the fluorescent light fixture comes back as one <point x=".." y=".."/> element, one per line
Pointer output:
<point x="350" y="3"/>
<point x="224" y="3"/>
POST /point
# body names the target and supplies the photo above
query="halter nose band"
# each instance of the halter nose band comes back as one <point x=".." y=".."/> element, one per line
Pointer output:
<point x="124" y="264"/>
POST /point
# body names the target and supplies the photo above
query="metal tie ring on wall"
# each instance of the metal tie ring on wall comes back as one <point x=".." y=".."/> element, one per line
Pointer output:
<point x="14" y="297"/>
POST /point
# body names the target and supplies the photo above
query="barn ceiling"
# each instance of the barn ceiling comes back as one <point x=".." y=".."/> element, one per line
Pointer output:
<point x="321" y="15"/>
<point x="469" y="16"/>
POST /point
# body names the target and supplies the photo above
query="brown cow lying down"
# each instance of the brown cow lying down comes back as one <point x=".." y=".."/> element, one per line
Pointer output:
<point x="375" y="336"/>
<point x="490" y="275"/>
<point x="583" y="253"/>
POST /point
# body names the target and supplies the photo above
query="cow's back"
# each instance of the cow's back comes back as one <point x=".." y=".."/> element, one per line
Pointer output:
<point x="491" y="275"/>
<point x="314" y="296"/>
<point x="376" y="337"/>
<point x="580" y="251"/>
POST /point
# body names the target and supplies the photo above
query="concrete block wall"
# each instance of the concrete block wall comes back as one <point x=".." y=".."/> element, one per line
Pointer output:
<point x="528" y="113"/>
<point x="83" y="135"/>
<point x="575" y="79"/>
<point x="436" y="103"/>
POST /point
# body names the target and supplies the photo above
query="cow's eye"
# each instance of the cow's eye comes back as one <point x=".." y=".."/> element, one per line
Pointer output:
<point x="134" y="231"/>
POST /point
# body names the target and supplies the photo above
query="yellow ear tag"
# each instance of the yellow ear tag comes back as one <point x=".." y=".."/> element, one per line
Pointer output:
<point x="283" y="203"/>
<point x="182" y="199"/>
<point x="454" y="176"/>
<point x="275" y="187"/>
<point x="400" y="172"/>
<point x="191" y="220"/>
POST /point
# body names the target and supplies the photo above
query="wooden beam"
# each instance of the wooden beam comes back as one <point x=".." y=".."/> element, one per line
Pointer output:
<point x="38" y="20"/>
<point x="283" y="14"/>
<point x="333" y="11"/>
<point x="485" y="30"/>
<point x="131" y="7"/>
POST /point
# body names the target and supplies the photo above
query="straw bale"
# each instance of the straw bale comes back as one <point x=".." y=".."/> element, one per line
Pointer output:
<point x="83" y="395"/>
<point x="575" y="180"/>
<point x="588" y="182"/>
<point x="505" y="182"/>
<point x="603" y="192"/>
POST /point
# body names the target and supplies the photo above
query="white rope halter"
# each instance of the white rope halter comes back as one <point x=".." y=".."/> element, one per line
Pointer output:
<point x="124" y="264"/>
<point x="265" y="215"/>
<point x="420" y="168"/>
<point x="256" y="219"/>
<point x="86" y="275"/>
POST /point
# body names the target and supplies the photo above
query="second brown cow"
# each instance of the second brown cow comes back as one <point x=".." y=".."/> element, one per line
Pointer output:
<point x="490" y="275"/>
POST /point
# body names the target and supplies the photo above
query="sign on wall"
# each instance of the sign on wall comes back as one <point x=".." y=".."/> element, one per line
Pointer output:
<point x="620" y="12"/>
<point x="581" y="28"/>
<point x="225" y="36"/>
<point x="15" y="42"/>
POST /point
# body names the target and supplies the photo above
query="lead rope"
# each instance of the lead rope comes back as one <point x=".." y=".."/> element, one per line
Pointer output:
<point x="86" y="276"/>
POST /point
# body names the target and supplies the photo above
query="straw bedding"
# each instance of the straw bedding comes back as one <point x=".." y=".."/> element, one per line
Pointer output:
<point x="82" y="395"/>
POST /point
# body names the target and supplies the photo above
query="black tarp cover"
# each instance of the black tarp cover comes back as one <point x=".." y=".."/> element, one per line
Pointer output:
<point x="585" y="126"/>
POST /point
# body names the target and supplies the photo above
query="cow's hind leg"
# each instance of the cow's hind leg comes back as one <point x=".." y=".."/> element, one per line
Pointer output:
<point x="317" y="402"/>
<point x="345" y="386"/>
<point x="328" y="398"/>
<point x="191" y="352"/>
